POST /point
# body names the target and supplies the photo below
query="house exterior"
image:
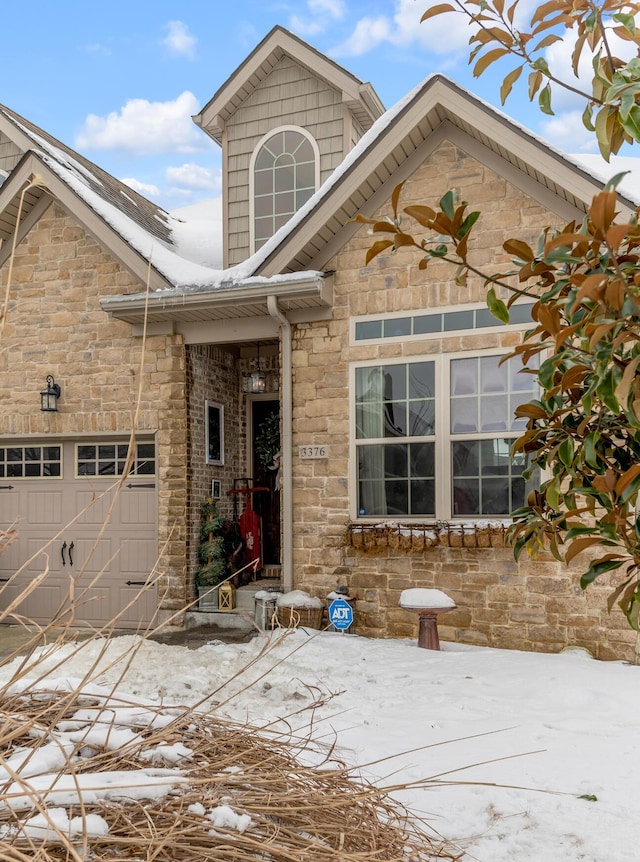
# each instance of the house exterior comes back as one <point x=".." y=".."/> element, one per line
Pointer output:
<point x="395" y="416"/>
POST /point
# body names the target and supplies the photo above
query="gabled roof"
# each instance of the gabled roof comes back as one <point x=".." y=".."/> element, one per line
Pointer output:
<point x="141" y="235"/>
<point x="143" y="212"/>
<point x="397" y="144"/>
<point x="358" y="96"/>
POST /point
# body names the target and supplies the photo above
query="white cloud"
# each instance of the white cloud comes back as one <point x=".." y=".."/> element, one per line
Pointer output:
<point x="567" y="132"/>
<point x="319" y="15"/>
<point x="445" y="34"/>
<point x="178" y="40"/>
<point x="193" y="176"/>
<point x="146" y="189"/>
<point x="145" y="127"/>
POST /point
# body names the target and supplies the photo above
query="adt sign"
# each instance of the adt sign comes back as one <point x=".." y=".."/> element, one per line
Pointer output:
<point x="340" y="614"/>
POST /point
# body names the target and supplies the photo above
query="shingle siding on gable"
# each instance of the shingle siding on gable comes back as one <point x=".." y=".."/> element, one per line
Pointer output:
<point x="290" y="95"/>
<point x="10" y="154"/>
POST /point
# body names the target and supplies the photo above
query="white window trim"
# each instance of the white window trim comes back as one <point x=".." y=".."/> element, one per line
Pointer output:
<point x="252" y="161"/>
<point x="442" y="435"/>
<point x="428" y="336"/>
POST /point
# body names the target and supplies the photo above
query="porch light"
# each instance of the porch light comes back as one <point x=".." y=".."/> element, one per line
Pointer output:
<point x="49" y="396"/>
<point x="257" y="378"/>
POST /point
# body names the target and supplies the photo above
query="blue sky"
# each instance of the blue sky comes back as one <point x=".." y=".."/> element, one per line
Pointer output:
<point x="119" y="82"/>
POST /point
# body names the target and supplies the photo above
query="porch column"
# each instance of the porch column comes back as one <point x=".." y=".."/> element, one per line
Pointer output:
<point x="287" y="443"/>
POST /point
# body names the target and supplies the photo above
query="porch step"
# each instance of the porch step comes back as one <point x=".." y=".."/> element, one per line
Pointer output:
<point x="243" y="614"/>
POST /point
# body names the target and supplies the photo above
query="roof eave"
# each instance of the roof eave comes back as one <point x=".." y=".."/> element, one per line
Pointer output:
<point x="314" y="290"/>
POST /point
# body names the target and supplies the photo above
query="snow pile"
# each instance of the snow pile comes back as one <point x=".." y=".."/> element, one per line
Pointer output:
<point x="298" y="599"/>
<point x="419" y="598"/>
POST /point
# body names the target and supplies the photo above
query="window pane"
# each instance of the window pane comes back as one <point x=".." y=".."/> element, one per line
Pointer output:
<point x="422" y="460"/>
<point x="422" y="417"/>
<point x="368" y="329"/>
<point x="427" y="323"/>
<point x="421" y="379"/>
<point x="32" y="453"/>
<point x="397" y="327"/>
<point x="284" y="204"/>
<point x="264" y="160"/>
<point x="464" y="377"/>
<point x="464" y="415"/>
<point x="493" y="375"/>
<point x="284" y="176"/>
<point x="302" y="196"/>
<point x="396" y="460"/>
<point x="32" y="469"/>
<point x="466" y="495"/>
<point x="14" y="454"/>
<point x="306" y="176"/>
<point x="263" y="206"/>
<point x="371" y="462"/>
<point x="52" y="469"/>
<point x="395" y="419"/>
<point x="458" y="320"/>
<point x="276" y="144"/>
<point x="423" y="497"/>
<point x="14" y="470"/>
<point x="397" y="498"/>
<point x="300" y="145"/>
<point x="106" y="452"/>
<point x="86" y="453"/>
<point x="263" y="182"/>
<point x="395" y="381"/>
<point x="495" y="413"/>
<point x="263" y="228"/>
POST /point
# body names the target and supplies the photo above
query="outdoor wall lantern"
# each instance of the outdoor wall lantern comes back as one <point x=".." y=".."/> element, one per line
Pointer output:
<point x="258" y="379"/>
<point x="49" y="396"/>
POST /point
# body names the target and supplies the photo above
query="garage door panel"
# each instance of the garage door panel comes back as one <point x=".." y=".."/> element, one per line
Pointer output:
<point x="137" y="556"/>
<point x="45" y="508"/>
<point x="138" y="507"/>
<point x="92" y="506"/>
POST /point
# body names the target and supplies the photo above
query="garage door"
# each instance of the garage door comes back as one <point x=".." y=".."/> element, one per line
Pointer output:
<point x="67" y="489"/>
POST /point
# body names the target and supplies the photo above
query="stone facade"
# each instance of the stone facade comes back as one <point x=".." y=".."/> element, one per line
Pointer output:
<point x="528" y="605"/>
<point x="55" y="326"/>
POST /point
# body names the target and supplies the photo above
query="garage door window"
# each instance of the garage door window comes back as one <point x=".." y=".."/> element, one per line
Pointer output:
<point x="30" y="462"/>
<point x="109" y="459"/>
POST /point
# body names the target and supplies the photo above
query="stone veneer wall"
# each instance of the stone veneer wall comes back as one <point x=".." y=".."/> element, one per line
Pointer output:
<point x="535" y="605"/>
<point x="55" y="326"/>
<point x="214" y="375"/>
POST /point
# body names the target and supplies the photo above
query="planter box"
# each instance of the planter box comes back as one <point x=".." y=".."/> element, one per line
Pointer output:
<point x="208" y="598"/>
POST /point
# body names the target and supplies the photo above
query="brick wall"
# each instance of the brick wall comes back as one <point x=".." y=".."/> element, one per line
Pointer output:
<point x="530" y="605"/>
<point x="55" y="326"/>
<point x="214" y="375"/>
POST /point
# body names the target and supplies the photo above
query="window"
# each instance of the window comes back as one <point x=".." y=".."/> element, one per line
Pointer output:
<point x="3" y="176"/>
<point x="284" y="176"/>
<point x="109" y="459"/>
<point x="30" y="462"/>
<point x="214" y="432"/>
<point x="433" y="437"/>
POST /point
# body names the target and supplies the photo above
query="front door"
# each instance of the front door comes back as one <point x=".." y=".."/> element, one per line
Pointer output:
<point x="265" y="456"/>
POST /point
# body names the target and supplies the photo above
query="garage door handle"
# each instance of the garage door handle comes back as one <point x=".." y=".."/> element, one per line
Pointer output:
<point x="71" y="547"/>
<point x="6" y="487"/>
<point x="142" y="485"/>
<point x="62" y="550"/>
<point x="135" y="583"/>
<point x="3" y="580"/>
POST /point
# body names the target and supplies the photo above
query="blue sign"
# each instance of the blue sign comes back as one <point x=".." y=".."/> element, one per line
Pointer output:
<point x="340" y="614"/>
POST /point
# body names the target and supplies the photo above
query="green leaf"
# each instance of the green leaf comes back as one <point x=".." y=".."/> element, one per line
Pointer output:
<point x="544" y="100"/>
<point x="615" y="181"/>
<point x="467" y="224"/>
<point x="497" y="307"/>
<point x="627" y="21"/>
<point x="565" y="452"/>
<point x="587" y="115"/>
<point x="447" y="203"/>
<point x="598" y="568"/>
<point x="631" y="123"/>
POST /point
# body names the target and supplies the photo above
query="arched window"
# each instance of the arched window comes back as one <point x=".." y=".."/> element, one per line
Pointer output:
<point x="3" y="176"/>
<point x="284" y="176"/>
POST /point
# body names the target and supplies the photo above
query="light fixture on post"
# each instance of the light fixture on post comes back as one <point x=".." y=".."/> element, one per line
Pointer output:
<point x="258" y="377"/>
<point x="49" y="396"/>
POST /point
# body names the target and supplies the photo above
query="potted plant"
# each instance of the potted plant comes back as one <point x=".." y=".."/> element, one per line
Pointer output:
<point x="212" y="556"/>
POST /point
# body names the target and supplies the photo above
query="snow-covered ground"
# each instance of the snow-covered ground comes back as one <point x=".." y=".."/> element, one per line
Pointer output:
<point x="515" y="738"/>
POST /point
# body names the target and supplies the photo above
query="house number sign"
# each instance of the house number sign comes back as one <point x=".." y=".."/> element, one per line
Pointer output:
<point x="308" y="452"/>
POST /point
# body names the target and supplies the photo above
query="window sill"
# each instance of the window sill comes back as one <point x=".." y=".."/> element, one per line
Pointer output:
<point x="417" y="537"/>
